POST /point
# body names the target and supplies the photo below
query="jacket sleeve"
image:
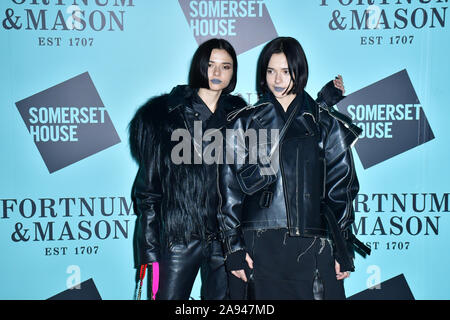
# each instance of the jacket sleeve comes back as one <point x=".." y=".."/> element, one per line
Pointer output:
<point x="231" y="196"/>
<point x="146" y="196"/>
<point x="146" y="190"/>
<point x="341" y="182"/>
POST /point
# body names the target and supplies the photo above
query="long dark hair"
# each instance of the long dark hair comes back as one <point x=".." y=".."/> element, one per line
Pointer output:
<point x="198" y="73"/>
<point x="296" y="58"/>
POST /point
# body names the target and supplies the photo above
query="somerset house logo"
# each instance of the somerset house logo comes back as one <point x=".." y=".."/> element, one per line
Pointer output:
<point x="391" y="116"/>
<point x="68" y="122"/>
<point x="233" y="20"/>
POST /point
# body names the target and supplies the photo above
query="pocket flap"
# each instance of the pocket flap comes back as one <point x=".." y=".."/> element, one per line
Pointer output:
<point x="251" y="180"/>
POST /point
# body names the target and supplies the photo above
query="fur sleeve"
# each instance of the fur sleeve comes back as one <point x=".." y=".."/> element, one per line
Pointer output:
<point x="144" y="135"/>
<point x="143" y="128"/>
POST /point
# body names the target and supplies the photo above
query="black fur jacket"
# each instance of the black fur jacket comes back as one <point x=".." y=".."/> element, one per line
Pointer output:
<point x="171" y="201"/>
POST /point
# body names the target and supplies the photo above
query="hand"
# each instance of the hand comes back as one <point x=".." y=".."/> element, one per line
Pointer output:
<point x="340" y="275"/>
<point x="339" y="83"/>
<point x="241" y="273"/>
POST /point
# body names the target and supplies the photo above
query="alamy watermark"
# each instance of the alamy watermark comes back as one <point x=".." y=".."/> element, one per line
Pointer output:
<point x="237" y="147"/>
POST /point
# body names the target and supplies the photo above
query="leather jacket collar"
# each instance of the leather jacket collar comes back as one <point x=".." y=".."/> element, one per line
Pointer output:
<point x="308" y="105"/>
<point x="181" y="98"/>
<point x="268" y="117"/>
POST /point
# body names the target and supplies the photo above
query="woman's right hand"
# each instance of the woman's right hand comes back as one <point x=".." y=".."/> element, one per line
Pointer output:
<point x="241" y="273"/>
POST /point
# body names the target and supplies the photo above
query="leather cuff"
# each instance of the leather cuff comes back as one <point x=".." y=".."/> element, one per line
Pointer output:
<point x="234" y="242"/>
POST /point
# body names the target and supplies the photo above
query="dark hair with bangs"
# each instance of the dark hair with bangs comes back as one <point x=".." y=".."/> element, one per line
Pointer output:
<point x="296" y="58"/>
<point x="198" y="73"/>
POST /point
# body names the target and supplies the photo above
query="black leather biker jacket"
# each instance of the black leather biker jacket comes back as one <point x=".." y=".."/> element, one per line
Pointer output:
<point x="174" y="202"/>
<point x="311" y="189"/>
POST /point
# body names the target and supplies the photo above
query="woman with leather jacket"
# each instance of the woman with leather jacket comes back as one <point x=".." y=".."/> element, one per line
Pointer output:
<point x="174" y="196"/>
<point x="287" y="234"/>
<point x="176" y="203"/>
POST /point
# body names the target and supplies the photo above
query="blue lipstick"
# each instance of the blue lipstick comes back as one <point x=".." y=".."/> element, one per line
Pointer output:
<point x="216" y="81"/>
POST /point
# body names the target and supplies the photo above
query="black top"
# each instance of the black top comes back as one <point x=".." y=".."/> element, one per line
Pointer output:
<point x="210" y="120"/>
<point x="285" y="114"/>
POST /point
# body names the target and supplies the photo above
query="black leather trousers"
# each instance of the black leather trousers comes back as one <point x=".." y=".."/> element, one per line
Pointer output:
<point x="179" y="267"/>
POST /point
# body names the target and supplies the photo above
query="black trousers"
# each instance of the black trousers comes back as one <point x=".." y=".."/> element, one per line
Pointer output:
<point x="285" y="268"/>
<point x="179" y="267"/>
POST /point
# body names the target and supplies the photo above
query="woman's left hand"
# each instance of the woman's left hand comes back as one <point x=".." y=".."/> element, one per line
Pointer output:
<point x="339" y="83"/>
<point x="340" y="275"/>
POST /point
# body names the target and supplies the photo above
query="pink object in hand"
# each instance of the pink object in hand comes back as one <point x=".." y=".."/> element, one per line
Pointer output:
<point x="155" y="280"/>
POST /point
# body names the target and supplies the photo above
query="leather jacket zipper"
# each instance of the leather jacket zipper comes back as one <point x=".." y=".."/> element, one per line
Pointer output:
<point x="297" y="231"/>
<point x="219" y="209"/>
<point x="288" y="218"/>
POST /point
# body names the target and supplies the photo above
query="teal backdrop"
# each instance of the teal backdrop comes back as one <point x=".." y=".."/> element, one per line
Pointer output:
<point x="65" y="207"/>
